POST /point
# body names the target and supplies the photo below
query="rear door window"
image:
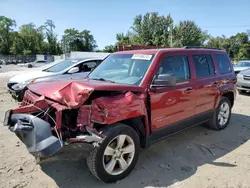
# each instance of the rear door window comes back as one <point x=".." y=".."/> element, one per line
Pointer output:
<point x="204" y="66"/>
<point x="223" y="63"/>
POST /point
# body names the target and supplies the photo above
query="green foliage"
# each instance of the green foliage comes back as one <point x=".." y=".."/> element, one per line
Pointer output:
<point x="6" y="39"/>
<point x="148" y="29"/>
<point x="109" y="49"/>
<point x="237" y="46"/>
<point x="187" y="33"/>
<point x="73" y="40"/>
<point x="51" y="37"/>
<point x="155" y="30"/>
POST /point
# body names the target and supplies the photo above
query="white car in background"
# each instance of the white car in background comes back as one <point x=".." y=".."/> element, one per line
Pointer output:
<point x="66" y="69"/>
<point x="241" y="65"/>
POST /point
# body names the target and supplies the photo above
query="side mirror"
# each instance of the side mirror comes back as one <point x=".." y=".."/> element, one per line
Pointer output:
<point x="73" y="70"/>
<point x="164" y="80"/>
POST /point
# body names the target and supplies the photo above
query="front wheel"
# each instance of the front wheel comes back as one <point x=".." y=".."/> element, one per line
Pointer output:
<point x="116" y="156"/>
<point x="222" y="115"/>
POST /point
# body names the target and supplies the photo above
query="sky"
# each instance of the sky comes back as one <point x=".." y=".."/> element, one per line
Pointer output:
<point x="106" y="18"/>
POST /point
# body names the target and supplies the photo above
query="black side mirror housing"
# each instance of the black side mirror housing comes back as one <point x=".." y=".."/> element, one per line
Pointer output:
<point x="164" y="80"/>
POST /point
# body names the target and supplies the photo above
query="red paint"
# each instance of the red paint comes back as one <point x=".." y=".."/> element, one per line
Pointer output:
<point x="158" y="107"/>
<point x="108" y="110"/>
<point x="84" y="116"/>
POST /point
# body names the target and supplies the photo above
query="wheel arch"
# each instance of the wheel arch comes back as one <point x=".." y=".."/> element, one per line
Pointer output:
<point x="137" y="123"/>
<point x="228" y="94"/>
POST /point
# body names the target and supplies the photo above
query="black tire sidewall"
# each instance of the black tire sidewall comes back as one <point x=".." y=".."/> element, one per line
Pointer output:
<point x="241" y="91"/>
<point x="223" y="100"/>
<point x="112" y="133"/>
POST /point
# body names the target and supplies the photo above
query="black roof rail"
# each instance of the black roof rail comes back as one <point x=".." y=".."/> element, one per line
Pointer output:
<point x="199" y="47"/>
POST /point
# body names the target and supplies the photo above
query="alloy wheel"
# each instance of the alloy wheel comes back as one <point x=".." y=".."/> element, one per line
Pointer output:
<point x="224" y="113"/>
<point x="118" y="155"/>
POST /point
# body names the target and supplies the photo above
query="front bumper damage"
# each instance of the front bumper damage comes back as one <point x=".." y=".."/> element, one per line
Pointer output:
<point x="34" y="132"/>
<point x="38" y="138"/>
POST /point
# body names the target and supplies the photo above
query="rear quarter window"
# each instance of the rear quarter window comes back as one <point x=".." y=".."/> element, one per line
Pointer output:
<point x="223" y="63"/>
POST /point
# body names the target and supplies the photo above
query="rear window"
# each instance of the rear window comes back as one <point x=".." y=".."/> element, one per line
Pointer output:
<point x="223" y="63"/>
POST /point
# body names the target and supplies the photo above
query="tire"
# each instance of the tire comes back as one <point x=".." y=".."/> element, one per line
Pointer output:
<point x="216" y="123"/>
<point x="98" y="162"/>
<point x="241" y="91"/>
<point x="30" y="65"/>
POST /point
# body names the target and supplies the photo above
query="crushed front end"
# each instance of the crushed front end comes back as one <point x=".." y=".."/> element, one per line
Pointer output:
<point x="45" y="126"/>
<point x="71" y="112"/>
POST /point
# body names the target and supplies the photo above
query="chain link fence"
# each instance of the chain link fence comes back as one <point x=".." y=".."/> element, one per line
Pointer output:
<point x="16" y="59"/>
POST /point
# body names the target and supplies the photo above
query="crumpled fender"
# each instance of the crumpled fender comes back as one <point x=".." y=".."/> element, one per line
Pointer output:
<point x="108" y="110"/>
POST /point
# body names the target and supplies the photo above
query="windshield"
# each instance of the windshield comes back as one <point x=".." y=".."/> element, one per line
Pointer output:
<point x="122" y="68"/>
<point x="242" y="64"/>
<point x="60" y="66"/>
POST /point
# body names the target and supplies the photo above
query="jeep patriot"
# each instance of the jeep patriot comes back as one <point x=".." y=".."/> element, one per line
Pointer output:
<point x="131" y="100"/>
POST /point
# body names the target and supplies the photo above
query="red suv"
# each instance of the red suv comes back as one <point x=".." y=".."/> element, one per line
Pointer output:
<point x="131" y="100"/>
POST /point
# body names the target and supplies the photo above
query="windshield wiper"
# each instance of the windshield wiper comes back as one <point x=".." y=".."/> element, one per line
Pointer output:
<point x="102" y="79"/>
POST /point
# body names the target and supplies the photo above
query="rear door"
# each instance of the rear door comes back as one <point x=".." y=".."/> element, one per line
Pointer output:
<point x="205" y="86"/>
<point x="172" y="108"/>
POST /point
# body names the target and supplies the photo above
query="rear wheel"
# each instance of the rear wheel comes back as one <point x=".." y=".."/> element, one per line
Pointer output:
<point x="116" y="156"/>
<point x="222" y="115"/>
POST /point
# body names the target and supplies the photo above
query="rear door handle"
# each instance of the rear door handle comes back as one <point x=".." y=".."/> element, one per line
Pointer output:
<point x="189" y="90"/>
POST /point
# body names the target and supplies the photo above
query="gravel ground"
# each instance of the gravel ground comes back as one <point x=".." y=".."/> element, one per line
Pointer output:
<point x="198" y="157"/>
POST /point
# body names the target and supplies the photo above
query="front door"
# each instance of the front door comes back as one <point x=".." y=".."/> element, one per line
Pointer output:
<point x="173" y="108"/>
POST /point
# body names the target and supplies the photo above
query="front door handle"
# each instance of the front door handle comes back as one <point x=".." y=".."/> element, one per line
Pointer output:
<point x="189" y="90"/>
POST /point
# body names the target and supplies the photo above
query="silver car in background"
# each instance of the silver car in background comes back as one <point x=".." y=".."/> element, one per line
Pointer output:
<point x="243" y="81"/>
<point x="241" y="65"/>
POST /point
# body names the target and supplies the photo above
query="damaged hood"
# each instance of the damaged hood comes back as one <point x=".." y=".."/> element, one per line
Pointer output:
<point x="75" y="93"/>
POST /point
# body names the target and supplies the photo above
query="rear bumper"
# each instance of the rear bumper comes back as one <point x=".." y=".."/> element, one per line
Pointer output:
<point x="34" y="132"/>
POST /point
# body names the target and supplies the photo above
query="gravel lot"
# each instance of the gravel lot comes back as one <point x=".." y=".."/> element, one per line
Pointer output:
<point x="198" y="157"/>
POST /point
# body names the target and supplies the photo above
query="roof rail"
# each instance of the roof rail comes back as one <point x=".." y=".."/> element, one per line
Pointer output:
<point x="199" y="47"/>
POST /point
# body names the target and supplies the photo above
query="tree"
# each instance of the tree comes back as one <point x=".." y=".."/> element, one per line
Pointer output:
<point x="30" y="40"/>
<point x="89" y="42"/>
<point x="187" y="33"/>
<point x="51" y="37"/>
<point x="73" y="40"/>
<point x="237" y="46"/>
<point x="123" y="39"/>
<point x="6" y="29"/>
<point x="152" y="29"/>
<point x="109" y="49"/>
